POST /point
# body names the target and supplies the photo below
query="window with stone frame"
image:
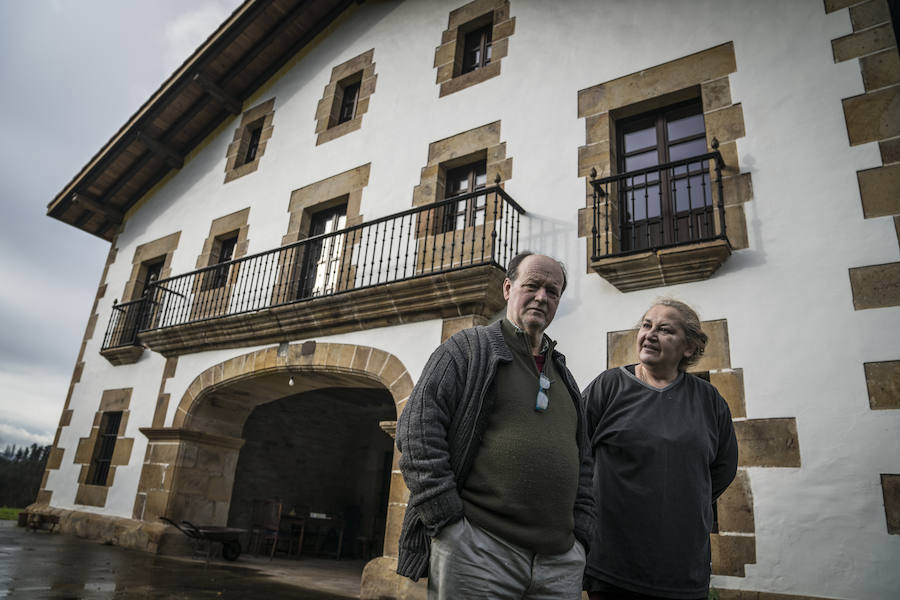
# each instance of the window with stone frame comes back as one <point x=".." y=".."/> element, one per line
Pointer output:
<point x="473" y="45"/>
<point x="457" y="231"/>
<point x="214" y="286"/>
<point x="104" y="447"/>
<point x="662" y="206"/>
<point x="250" y="138"/>
<point x="152" y="261"/>
<point x="321" y="266"/>
<point x="345" y="99"/>
<point x="662" y="224"/>
<point x="130" y="315"/>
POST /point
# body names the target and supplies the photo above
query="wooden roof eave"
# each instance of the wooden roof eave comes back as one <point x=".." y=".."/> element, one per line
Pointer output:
<point x="166" y="88"/>
<point x="102" y="219"/>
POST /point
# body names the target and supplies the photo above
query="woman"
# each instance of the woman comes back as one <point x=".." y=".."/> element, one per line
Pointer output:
<point x="664" y="450"/>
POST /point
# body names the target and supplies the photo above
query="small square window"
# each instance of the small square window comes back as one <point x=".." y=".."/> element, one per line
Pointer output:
<point x="472" y="49"/>
<point x="249" y="143"/>
<point x="349" y="99"/>
<point x="254" y="132"/>
<point x="346" y="98"/>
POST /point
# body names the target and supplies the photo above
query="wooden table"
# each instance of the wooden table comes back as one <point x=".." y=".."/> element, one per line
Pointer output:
<point x="294" y="523"/>
<point x="320" y="524"/>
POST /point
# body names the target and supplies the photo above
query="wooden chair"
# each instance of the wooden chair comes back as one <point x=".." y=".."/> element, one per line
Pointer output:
<point x="293" y="527"/>
<point x="256" y="528"/>
<point x="269" y="523"/>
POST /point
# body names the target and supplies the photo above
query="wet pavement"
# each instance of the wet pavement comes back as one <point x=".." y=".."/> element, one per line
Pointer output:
<point x="38" y="565"/>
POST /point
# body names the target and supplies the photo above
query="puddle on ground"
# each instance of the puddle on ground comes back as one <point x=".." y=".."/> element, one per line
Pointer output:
<point x="40" y="565"/>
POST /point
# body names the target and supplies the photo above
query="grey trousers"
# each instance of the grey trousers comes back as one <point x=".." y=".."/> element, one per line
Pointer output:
<point x="468" y="562"/>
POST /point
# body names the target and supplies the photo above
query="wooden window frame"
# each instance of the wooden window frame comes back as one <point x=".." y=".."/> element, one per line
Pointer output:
<point x="151" y="272"/>
<point x="213" y="287"/>
<point x="309" y="264"/>
<point x="659" y="118"/>
<point x="468" y="209"/>
<point x="254" y="133"/>
<point x="349" y="98"/>
<point x="250" y="139"/>
<point x="224" y="251"/>
<point x="342" y="189"/>
<point x="483" y="31"/>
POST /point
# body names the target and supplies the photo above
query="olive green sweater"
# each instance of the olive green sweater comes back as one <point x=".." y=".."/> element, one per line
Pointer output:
<point x="524" y="479"/>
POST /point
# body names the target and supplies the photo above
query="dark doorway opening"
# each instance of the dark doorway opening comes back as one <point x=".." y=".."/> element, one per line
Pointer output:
<point x="323" y="457"/>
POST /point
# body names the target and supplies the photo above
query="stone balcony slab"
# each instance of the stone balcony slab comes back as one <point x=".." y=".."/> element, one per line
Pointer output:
<point x="667" y="266"/>
<point x="474" y="290"/>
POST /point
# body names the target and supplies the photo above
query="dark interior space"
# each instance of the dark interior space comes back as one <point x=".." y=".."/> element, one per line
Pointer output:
<point x="323" y="458"/>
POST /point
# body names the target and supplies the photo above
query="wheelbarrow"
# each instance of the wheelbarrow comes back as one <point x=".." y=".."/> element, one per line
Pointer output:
<point x="229" y="537"/>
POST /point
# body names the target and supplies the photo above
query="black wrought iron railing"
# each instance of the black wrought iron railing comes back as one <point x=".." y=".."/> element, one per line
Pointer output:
<point x="123" y="324"/>
<point x="415" y="243"/>
<point x="657" y="207"/>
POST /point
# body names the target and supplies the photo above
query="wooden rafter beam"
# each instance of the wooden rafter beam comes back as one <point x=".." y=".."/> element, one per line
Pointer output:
<point x="172" y="158"/>
<point x="305" y="39"/>
<point x="92" y="204"/>
<point x="278" y="29"/>
<point x="104" y="227"/>
<point x="229" y="102"/>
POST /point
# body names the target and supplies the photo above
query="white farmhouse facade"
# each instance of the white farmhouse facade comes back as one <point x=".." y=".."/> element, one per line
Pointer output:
<point x="326" y="190"/>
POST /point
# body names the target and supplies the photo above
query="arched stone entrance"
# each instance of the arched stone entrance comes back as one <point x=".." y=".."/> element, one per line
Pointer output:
<point x="189" y="467"/>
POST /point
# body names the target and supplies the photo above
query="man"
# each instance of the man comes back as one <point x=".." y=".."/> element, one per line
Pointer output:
<point x="496" y="457"/>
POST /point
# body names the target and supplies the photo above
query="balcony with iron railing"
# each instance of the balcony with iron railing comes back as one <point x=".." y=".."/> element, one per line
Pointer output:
<point x="660" y="225"/>
<point x="434" y="261"/>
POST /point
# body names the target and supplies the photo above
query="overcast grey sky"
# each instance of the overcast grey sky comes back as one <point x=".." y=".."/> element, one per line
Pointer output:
<point x="72" y="71"/>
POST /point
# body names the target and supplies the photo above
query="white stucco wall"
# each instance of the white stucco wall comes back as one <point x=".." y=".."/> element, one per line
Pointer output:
<point x="820" y="529"/>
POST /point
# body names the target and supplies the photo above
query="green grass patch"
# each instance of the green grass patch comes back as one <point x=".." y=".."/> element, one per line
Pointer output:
<point x="9" y="514"/>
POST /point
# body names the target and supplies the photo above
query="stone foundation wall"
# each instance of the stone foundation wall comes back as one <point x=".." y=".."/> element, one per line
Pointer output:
<point x="119" y="531"/>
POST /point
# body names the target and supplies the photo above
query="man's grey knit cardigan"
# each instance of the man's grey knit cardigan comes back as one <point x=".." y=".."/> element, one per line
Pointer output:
<point x="439" y="434"/>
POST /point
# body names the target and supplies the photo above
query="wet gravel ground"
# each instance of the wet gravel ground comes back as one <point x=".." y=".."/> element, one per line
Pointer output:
<point x="38" y="565"/>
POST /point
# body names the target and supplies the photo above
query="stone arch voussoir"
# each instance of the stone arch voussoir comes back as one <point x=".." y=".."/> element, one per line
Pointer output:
<point x="335" y="361"/>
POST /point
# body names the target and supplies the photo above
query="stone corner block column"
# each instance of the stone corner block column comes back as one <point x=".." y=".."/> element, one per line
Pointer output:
<point x="380" y="580"/>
